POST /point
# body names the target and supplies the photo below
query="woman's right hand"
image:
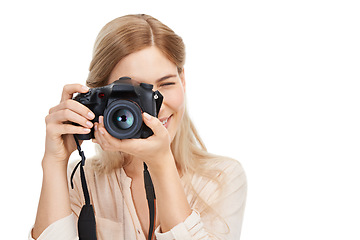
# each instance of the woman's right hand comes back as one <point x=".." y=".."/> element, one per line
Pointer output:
<point x="59" y="143"/>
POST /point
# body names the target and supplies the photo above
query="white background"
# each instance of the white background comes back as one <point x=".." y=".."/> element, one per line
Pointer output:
<point x="274" y="84"/>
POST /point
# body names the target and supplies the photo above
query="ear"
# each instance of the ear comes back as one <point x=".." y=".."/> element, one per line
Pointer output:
<point x="182" y="78"/>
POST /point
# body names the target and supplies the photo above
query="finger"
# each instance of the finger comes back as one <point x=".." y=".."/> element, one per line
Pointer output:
<point x="62" y="129"/>
<point x="67" y="115"/>
<point x="154" y="124"/>
<point x="103" y="134"/>
<point x="97" y="133"/>
<point x="70" y="89"/>
<point x="107" y="141"/>
<point x="75" y="107"/>
<point x="100" y="138"/>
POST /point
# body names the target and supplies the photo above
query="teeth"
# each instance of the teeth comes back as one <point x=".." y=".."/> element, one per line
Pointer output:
<point x="164" y="122"/>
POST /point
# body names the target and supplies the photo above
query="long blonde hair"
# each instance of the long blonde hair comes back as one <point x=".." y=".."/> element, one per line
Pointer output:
<point x="128" y="34"/>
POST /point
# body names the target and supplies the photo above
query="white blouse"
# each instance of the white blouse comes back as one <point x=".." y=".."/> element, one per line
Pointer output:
<point x="116" y="217"/>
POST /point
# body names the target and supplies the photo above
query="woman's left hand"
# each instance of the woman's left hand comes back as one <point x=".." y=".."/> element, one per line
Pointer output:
<point x="151" y="150"/>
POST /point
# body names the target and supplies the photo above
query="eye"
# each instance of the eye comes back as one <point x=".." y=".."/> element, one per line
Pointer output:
<point x="167" y="84"/>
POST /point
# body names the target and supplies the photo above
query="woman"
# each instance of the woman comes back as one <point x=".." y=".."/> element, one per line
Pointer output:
<point x="198" y="195"/>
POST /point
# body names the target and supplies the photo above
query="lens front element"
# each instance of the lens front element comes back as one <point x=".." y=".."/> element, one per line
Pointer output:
<point x="123" y="119"/>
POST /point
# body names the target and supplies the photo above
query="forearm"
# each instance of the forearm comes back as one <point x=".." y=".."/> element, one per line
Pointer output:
<point x="54" y="202"/>
<point x="172" y="205"/>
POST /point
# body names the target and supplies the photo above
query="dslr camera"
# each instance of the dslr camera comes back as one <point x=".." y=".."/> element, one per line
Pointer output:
<point x="122" y="103"/>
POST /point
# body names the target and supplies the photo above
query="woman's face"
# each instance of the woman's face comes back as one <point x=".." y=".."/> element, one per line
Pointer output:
<point x="151" y="66"/>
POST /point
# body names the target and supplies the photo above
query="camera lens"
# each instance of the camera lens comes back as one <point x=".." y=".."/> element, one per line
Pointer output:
<point x="123" y="118"/>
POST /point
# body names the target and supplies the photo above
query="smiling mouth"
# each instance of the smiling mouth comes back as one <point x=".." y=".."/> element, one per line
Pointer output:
<point x="165" y="122"/>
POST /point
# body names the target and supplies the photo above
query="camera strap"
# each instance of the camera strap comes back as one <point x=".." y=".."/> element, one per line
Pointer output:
<point x="86" y="221"/>
<point x="151" y="199"/>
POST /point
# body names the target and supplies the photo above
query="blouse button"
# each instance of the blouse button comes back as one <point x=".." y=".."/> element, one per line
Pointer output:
<point x="138" y="231"/>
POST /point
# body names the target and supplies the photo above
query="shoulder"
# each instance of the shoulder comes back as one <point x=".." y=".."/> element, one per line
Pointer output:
<point x="219" y="176"/>
<point x="229" y="185"/>
<point x="231" y="166"/>
<point x="226" y="169"/>
<point x="233" y="176"/>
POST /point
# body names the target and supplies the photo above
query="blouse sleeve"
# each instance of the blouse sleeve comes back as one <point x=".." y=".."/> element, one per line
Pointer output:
<point x="62" y="229"/>
<point x="65" y="228"/>
<point x="191" y="228"/>
<point x="229" y="204"/>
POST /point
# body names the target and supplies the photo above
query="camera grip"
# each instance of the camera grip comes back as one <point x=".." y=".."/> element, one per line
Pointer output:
<point x="83" y="136"/>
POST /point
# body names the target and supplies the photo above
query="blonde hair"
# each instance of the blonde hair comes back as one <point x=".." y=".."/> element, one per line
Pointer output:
<point x="129" y="34"/>
<point x="125" y="35"/>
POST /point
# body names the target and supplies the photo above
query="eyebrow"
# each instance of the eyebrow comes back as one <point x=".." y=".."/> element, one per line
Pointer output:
<point x="165" y="77"/>
<point x="160" y="79"/>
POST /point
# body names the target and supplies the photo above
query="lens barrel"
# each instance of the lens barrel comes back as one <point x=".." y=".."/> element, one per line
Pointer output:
<point x="123" y="119"/>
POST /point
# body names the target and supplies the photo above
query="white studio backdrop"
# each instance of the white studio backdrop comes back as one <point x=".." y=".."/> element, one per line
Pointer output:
<point x="273" y="84"/>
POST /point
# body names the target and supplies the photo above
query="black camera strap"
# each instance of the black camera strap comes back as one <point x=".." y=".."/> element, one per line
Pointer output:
<point x="151" y="199"/>
<point x="86" y="221"/>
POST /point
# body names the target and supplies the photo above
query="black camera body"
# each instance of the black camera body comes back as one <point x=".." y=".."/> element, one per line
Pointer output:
<point x="122" y="103"/>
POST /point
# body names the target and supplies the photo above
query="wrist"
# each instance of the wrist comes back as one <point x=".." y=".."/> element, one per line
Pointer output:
<point x="54" y="174"/>
<point x="164" y="166"/>
<point x="49" y="162"/>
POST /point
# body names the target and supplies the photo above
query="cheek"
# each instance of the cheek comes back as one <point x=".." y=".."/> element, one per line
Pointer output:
<point x="175" y="99"/>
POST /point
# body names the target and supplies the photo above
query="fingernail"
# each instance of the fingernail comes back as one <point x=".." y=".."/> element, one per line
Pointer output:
<point x="85" y="88"/>
<point x="101" y="120"/>
<point x="96" y="127"/>
<point x="147" y="116"/>
<point x="87" y="130"/>
<point x="91" y="115"/>
<point x="101" y="131"/>
<point x="89" y="123"/>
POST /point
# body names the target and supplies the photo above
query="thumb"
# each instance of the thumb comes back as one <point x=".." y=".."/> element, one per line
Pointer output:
<point x="153" y="123"/>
